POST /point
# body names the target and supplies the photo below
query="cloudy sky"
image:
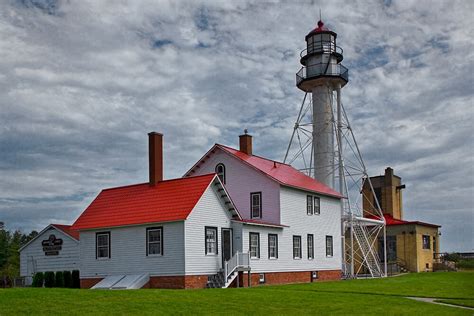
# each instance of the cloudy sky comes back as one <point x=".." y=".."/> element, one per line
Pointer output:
<point x="82" y="82"/>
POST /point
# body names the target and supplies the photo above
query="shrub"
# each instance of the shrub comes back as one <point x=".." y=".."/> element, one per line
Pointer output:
<point x="38" y="279"/>
<point x="67" y="279"/>
<point x="465" y="264"/>
<point x="76" y="283"/>
<point x="452" y="257"/>
<point x="59" y="279"/>
<point x="48" y="279"/>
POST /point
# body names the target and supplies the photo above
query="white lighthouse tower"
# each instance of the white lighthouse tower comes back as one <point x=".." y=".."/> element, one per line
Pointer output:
<point x="322" y="74"/>
<point x="330" y="153"/>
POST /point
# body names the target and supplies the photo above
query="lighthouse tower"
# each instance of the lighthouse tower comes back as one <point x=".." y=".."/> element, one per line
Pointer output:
<point x="323" y="74"/>
<point x="330" y="154"/>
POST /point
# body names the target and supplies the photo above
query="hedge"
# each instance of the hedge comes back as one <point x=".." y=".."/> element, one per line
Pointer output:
<point x="59" y="279"/>
<point x="76" y="283"/>
<point x="67" y="279"/>
<point x="49" y="279"/>
<point x="38" y="279"/>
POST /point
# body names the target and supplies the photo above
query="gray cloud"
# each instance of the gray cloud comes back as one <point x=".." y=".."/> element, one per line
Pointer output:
<point x="81" y="83"/>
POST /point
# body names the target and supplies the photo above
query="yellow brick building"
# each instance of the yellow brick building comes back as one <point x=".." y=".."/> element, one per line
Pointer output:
<point x="411" y="245"/>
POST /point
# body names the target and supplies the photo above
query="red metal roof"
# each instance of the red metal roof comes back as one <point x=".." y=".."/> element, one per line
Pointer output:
<point x="390" y="221"/>
<point x="282" y="173"/>
<point x="170" y="200"/>
<point x="67" y="229"/>
<point x="320" y="28"/>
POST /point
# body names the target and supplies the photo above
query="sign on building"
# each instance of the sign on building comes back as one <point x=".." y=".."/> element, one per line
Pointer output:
<point x="52" y="245"/>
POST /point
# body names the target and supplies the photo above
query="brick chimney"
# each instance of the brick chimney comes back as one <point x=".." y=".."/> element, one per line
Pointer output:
<point x="245" y="142"/>
<point x="155" y="157"/>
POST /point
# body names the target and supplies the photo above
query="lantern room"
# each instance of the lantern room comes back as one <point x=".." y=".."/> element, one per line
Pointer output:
<point x="321" y="58"/>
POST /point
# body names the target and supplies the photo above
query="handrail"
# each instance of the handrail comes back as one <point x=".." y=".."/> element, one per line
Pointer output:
<point x="327" y="47"/>
<point x="238" y="260"/>
<point x="322" y="69"/>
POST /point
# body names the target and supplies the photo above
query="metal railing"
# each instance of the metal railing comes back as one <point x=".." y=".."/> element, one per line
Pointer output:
<point x="239" y="260"/>
<point x="322" y="69"/>
<point x="321" y="47"/>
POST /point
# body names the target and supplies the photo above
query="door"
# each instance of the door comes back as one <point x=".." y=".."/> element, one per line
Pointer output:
<point x="226" y="244"/>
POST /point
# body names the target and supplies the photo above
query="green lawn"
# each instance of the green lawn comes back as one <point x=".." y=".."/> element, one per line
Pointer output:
<point x="380" y="296"/>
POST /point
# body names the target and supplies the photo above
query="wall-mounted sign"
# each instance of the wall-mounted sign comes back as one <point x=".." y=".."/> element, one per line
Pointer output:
<point x="52" y="245"/>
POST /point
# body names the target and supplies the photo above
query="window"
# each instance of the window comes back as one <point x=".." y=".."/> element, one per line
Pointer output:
<point x="296" y="247"/>
<point x="254" y="245"/>
<point x="220" y="170"/>
<point x="309" y="205"/>
<point x="312" y="205"/>
<point x="317" y="204"/>
<point x="261" y="278"/>
<point x="329" y="247"/>
<point x="272" y="246"/>
<point x="434" y="244"/>
<point x="154" y="241"/>
<point x="211" y="240"/>
<point x="310" y="246"/>
<point x="426" y="242"/>
<point x="102" y="242"/>
<point x="256" y="204"/>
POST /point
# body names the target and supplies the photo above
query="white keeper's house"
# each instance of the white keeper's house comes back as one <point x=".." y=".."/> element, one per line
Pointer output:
<point x="234" y="219"/>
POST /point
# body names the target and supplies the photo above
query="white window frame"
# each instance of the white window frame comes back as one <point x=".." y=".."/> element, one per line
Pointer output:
<point x="316" y="205"/>
<point x="257" y="207"/>
<point x="310" y="237"/>
<point x="97" y="246"/>
<point x="329" y="246"/>
<point x="272" y="247"/>
<point x="254" y="245"/>
<point x="309" y="204"/>
<point x="158" y="242"/>
<point x="211" y="246"/>
<point x="297" y="249"/>
<point x="221" y="174"/>
<point x="313" y="205"/>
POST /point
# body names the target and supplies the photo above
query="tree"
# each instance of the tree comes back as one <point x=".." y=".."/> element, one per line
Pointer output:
<point x="4" y="245"/>
<point x="10" y="245"/>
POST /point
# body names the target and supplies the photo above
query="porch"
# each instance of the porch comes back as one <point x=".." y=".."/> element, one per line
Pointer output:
<point x="239" y="262"/>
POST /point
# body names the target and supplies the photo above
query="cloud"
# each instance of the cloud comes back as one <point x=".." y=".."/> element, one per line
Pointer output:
<point x="83" y="82"/>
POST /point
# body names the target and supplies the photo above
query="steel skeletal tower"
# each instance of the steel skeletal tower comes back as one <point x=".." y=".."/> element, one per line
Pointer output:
<point x="324" y="146"/>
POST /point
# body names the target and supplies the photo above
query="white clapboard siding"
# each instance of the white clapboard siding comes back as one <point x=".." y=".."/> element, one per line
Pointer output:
<point x="237" y="229"/>
<point x="293" y="214"/>
<point x="128" y="252"/>
<point x="209" y="211"/>
<point x="33" y="259"/>
<point x="241" y="179"/>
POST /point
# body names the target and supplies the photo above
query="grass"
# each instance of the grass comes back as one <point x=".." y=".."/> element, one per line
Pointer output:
<point x="440" y="285"/>
<point x="380" y="296"/>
